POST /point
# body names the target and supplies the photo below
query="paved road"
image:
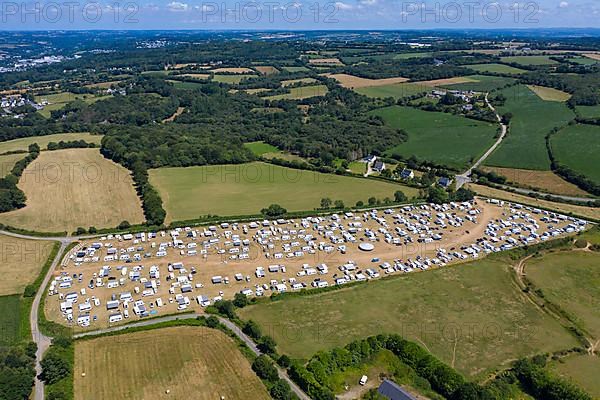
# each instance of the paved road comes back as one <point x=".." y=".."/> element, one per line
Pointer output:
<point x="230" y="325"/>
<point x="465" y="177"/>
<point x="535" y="192"/>
<point x="42" y="341"/>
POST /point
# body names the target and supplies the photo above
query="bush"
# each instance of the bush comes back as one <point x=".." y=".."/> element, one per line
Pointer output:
<point x="124" y="225"/>
<point x="264" y="368"/>
<point x="212" y="321"/>
<point x="252" y="329"/>
<point x="267" y="345"/>
<point x="240" y="300"/>
<point x="284" y="361"/>
<point x="281" y="391"/>
<point x="54" y="367"/>
<point x="274" y="210"/>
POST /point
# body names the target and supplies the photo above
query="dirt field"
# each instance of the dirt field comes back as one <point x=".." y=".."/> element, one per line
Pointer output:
<point x="66" y="189"/>
<point x="549" y="94"/>
<point x="593" y="56"/>
<point x="545" y="180"/>
<point x="325" y="61"/>
<point x="354" y="82"/>
<point x="176" y="114"/>
<point x="193" y="363"/>
<point x="20" y="262"/>
<point x="587" y="212"/>
<point x="447" y="81"/>
<point x="241" y="70"/>
<point x="266" y="69"/>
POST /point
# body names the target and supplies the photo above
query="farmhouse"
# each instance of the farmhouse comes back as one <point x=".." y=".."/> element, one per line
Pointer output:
<point x="379" y="166"/>
<point x="444" y="182"/>
<point x="407" y="174"/>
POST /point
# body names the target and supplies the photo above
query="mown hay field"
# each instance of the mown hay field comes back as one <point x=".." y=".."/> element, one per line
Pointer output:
<point x="191" y="192"/>
<point x="73" y="188"/>
<point x="23" y="143"/>
<point x="191" y="362"/>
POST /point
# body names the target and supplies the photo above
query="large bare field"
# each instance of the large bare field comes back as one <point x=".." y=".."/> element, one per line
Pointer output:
<point x="549" y="94"/>
<point x="193" y="363"/>
<point x="545" y="180"/>
<point x="23" y="143"/>
<point x="353" y="82"/>
<point x="266" y="69"/>
<point x="66" y="189"/>
<point x="325" y="61"/>
<point x="20" y="262"/>
<point x="582" y="211"/>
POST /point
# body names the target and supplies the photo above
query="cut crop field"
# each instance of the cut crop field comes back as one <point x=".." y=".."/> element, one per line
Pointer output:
<point x="480" y="83"/>
<point x="302" y="92"/>
<point x="325" y="61"/>
<point x="495" y="68"/>
<point x="248" y="188"/>
<point x="7" y="162"/>
<point x="22" y="261"/>
<point x="471" y="316"/>
<point x="191" y="362"/>
<point x="266" y="69"/>
<point x="439" y="137"/>
<point x="240" y="70"/>
<point x="549" y="94"/>
<point x="529" y="60"/>
<point x="67" y="189"/>
<point x="354" y="82"/>
<point x="533" y="118"/>
<point x="578" y="147"/>
<point x="397" y="90"/>
<point x="23" y="143"/>
<point x="546" y="181"/>
<point x="10" y="308"/>
<point x="582" y="211"/>
<point x="583" y="370"/>
<point x="572" y="281"/>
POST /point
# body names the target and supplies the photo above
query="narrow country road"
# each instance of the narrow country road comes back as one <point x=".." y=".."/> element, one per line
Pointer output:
<point x="529" y="192"/>
<point x="465" y="177"/>
<point x="230" y="325"/>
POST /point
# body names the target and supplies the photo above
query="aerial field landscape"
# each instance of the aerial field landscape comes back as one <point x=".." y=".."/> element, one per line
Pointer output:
<point x="84" y="188"/>
<point x="259" y="184"/>
<point x="496" y="68"/>
<point x="439" y="137"/>
<point x="187" y="361"/>
<point x="578" y="147"/>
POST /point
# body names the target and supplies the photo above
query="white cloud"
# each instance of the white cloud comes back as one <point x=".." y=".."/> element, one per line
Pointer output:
<point x="368" y="2"/>
<point x="343" y="6"/>
<point x="177" y="6"/>
<point x="563" y="4"/>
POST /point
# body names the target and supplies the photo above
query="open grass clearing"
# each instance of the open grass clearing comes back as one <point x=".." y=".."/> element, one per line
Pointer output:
<point x="191" y="362"/>
<point x="397" y="90"/>
<point x="582" y="211"/>
<point x="303" y="81"/>
<point x="533" y="118"/>
<point x="354" y="82"/>
<point x="10" y="309"/>
<point x="582" y="370"/>
<point x="266" y="69"/>
<point x="232" y="79"/>
<point x="259" y="148"/>
<point x="196" y="76"/>
<point x="529" y="60"/>
<point x="546" y="181"/>
<point x="589" y="111"/>
<point x="57" y="101"/>
<point x="66" y="189"/>
<point x="495" y="68"/>
<point x="578" y="147"/>
<point x="103" y="85"/>
<point x="549" y="94"/>
<point x="296" y="69"/>
<point x="259" y="184"/>
<point x="447" y="81"/>
<point x="406" y="56"/>
<point x="572" y="281"/>
<point x="471" y="316"/>
<point x="23" y="143"/>
<point x="302" y="92"/>
<point x="185" y="84"/>
<point x="439" y="137"/>
<point x="229" y="70"/>
<point x="325" y="61"/>
<point x="22" y="261"/>
<point x="480" y="83"/>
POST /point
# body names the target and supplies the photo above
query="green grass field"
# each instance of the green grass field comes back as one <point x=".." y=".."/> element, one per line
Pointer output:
<point x="10" y="318"/>
<point x="259" y="148"/>
<point x="496" y="68"/>
<point x="572" y="281"/>
<point x="589" y="111"/>
<point x="439" y="137"/>
<point x="185" y="85"/>
<point x="232" y="79"/>
<point x="296" y="69"/>
<point x="529" y="60"/>
<point x="481" y="83"/>
<point x="471" y="316"/>
<point x="247" y="188"/>
<point x="396" y="90"/>
<point x="406" y="56"/>
<point x="583" y="370"/>
<point x="578" y="147"/>
<point x="299" y="93"/>
<point x="23" y="143"/>
<point x="59" y="100"/>
<point x="533" y="118"/>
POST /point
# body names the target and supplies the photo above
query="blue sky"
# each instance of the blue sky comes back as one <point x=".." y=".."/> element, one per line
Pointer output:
<point x="298" y="14"/>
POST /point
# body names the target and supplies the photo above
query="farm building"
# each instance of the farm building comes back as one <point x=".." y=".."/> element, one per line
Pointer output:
<point x="407" y="174"/>
<point x="390" y="390"/>
<point x="444" y="182"/>
<point x="378" y="166"/>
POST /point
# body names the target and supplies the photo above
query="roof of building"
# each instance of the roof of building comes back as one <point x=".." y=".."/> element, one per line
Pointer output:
<point x="392" y="391"/>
